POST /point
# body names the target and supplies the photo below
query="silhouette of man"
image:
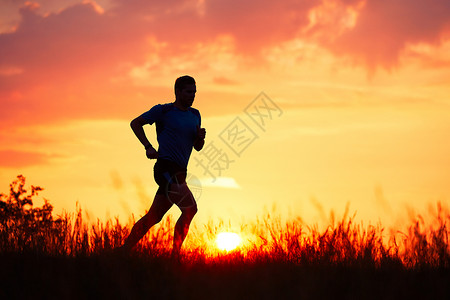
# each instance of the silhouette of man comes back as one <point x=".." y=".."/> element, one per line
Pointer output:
<point x="178" y="129"/>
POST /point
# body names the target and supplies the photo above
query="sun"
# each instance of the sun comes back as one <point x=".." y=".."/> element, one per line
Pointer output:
<point x="227" y="241"/>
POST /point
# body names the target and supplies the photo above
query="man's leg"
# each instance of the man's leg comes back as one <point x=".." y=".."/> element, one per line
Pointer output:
<point x="157" y="211"/>
<point x="186" y="202"/>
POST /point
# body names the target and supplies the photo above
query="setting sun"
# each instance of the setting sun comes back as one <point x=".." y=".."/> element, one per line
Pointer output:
<point x="228" y="241"/>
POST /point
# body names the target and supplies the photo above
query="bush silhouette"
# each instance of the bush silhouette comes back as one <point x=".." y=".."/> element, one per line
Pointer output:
<point x="23" y="226"/>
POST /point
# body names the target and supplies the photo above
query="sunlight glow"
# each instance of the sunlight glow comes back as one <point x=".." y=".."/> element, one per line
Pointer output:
<point x="227" y="241"/>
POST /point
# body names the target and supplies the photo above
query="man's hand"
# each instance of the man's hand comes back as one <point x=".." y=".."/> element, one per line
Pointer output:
<point x="200" y="140"/>
<point x="151" y="153"/>
<point x="201" y="133"/>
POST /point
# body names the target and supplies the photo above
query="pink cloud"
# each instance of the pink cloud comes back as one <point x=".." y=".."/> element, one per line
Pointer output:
<point x="253" y="24"/>
<point x="384" y="28"/>
<point x="81" y="40"/>
<point x="260" y="24"/>
<point x="77" y="38"/>
<point x="59" y="65"/>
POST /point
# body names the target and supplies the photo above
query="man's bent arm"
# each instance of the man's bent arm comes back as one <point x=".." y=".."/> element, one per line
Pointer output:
<point x="137" y="127"/>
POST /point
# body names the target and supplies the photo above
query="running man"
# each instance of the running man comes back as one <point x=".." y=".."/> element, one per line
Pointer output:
<point x="178" y="130"/>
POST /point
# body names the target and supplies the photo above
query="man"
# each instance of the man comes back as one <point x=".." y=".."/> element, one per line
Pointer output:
<point x="178" y="129"/>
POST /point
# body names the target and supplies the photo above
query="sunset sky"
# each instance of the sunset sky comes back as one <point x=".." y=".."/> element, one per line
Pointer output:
<point x="336" y="101"/>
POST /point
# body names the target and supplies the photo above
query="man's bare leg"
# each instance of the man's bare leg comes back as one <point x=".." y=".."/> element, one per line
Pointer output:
<point x="182" y="228"/>
<point x="157" y="211"/>
<point x="186" y="202"/>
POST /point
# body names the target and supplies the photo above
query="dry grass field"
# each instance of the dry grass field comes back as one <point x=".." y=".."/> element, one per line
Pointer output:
<point x="66" y="257"/>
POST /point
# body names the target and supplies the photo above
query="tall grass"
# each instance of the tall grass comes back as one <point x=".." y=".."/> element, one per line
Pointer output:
<point x="24" y="229"/>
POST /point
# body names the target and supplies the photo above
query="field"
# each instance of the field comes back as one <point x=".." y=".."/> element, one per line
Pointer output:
<point x="46" y="257"/>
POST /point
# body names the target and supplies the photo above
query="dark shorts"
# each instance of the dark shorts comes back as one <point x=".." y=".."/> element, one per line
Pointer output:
<point x="167" y="172"/>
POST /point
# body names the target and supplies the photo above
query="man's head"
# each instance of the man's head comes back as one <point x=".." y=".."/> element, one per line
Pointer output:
<point x="185" y="90"/>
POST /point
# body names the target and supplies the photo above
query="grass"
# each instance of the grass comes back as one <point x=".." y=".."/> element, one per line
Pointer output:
<point x="66" y="257"/>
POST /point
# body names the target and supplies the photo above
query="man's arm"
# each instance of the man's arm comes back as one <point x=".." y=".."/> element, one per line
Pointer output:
<point x="137" y="126"/>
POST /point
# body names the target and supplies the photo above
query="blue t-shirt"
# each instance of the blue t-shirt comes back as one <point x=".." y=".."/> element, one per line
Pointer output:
<point x="176" y="131"/>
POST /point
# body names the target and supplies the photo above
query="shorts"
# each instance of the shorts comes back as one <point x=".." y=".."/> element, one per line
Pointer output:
<point x="167" y="172"/>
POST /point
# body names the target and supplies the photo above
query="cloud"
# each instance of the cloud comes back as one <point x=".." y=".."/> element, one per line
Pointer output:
<point x="70" y="60"/>
<point x="76" y="41"/>
<point x="381" y="30"/>
<point x="84" y="40"/>
<point x="258" y="24"/>
<point x="79" y="62"/>
<point x="19" y="159"/>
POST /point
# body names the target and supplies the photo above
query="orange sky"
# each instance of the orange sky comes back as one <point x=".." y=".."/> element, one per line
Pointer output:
<point x="361" y="90"/>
